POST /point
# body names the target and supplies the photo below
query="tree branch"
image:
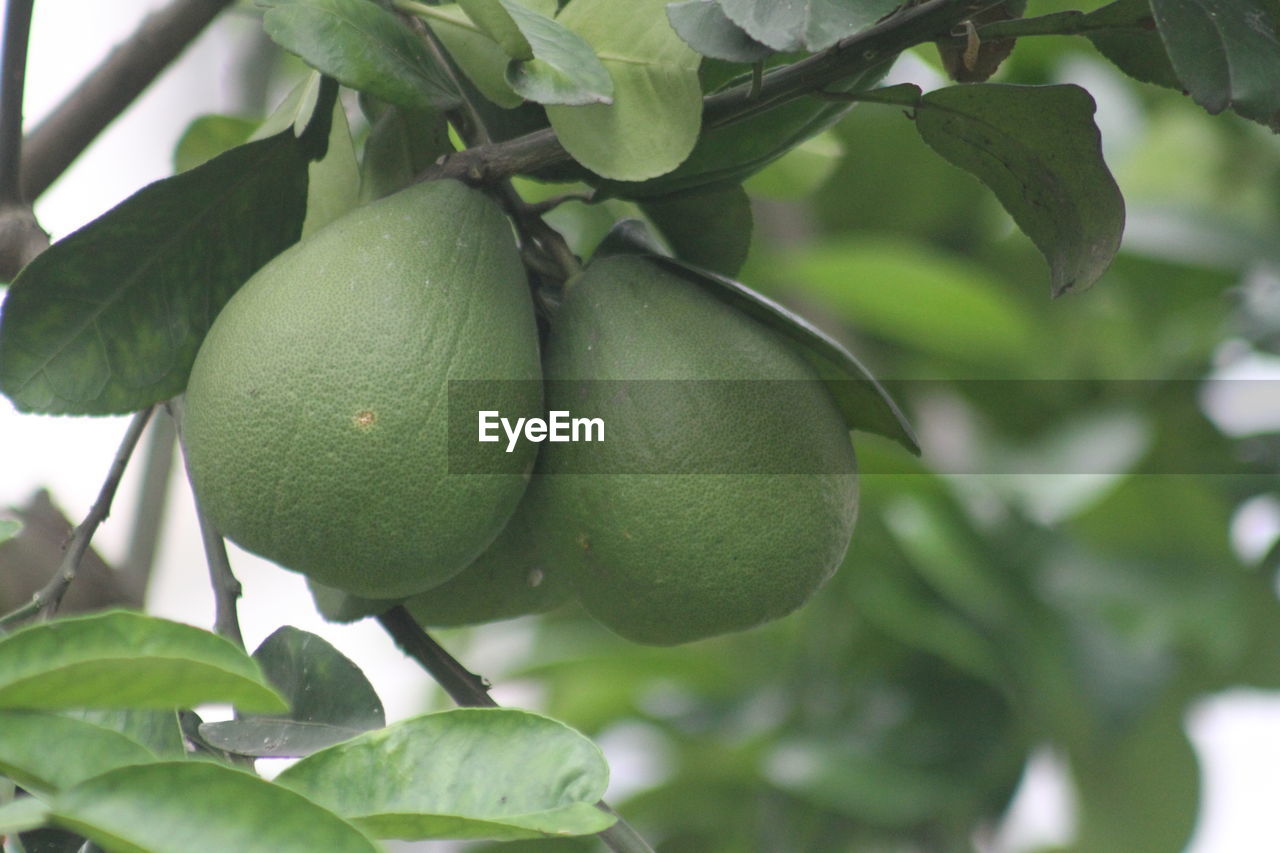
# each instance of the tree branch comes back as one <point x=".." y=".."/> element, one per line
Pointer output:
<point x="226" y="589"/>
<point x="45" y="602"/>
<point x="469" y="690"/>
<point x="109" y="89"/>
<point x="909" y="26"/>
<point x="17" y="27"/>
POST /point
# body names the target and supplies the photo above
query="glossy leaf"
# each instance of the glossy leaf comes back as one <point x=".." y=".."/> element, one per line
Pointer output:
<point x="653" y="122"/>
<point x="466" y="773"/>
<point x="563" y="69"/>
<point x="810" y="25"/>
<point x="49" y="752"/>
<point x="122" y="659"/>
<point x="1128" y="38"/>
<point x="158" y="731"/>
<point x="709" y="229"/>
<point x="177" y="807"/>
<point x="1038" y="150"/>
<point x="493" y="17"/>
<point x="108" y="319"/>
<point x="363" y="46"/>
<point x="707" y="29"/>
<point x="21" y="815"/>
<point x="1226" y="53"/>
<point x="207" y="137"/>
<point x="330" y="700"/>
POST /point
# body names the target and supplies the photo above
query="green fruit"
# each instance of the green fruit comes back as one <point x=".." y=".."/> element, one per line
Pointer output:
<point x="712" y="505"/>
<point x="317" y="409"/>
<point x="512" y="578"/>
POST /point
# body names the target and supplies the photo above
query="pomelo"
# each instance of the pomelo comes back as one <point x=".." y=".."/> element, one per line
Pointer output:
<point x="317" y="410"/>
<point x="725" y="491"/>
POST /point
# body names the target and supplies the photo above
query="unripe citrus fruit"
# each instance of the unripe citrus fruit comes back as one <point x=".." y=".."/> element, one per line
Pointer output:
<point x="725" y="491"/>
<point x="317" y="409"/>
<point x="511" y="578"/>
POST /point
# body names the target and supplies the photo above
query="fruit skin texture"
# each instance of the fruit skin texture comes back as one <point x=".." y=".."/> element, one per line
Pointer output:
<point x="511" y="578"/>
<point x="675" y="556"/>
<point x="317" y="408"/>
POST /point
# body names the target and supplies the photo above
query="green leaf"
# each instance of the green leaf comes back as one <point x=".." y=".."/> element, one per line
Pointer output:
<point x="121" y="659"/>
<point x="563" y="69"/>
<point x="108" y="319"/>
<point x="49" y="752"/>
<point x="363" y="46"/>
<point x="1131" y="42"/>
<point x="492" y="773"/>
<point x="915" y="297"/>
<point x="653" y="122"/>
<point x="495" y="18"/>
<point x="178" y="807"/>
<point x="707" y="29"/>
<point x="709" y="229"/>
<point x="481" y="59"/>
<point x="401" y="143"/>
<point x="21" y="815"/>
<point x="333" y="182"/>
<point x="9" y="528"/>
<point x="727" y="153"/>
<point x="1038" y="150"/>
<point x="1226" y="54"/>
<point x="158" y="731"/>
<point x="863" y="402"/>
<point x="810" y="25"/>
<point x="330" y="700"/>
<point x="207" y="137"/>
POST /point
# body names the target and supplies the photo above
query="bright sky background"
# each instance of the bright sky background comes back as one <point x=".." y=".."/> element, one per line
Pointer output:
<point x="1238" y="735"/>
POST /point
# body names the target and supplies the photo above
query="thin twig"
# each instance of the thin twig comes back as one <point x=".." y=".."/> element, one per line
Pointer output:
<point x="106" y="91"/>
<point x="849" y="57"/>
<point x="17" y="27"/>
<point x="469" y="690"/>
<point x="46" y="600"/>
<point x="153" y="494"/>
<point x="226" y="589"/>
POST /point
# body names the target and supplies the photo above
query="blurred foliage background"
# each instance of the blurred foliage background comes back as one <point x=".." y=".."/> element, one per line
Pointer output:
<point x="1058" y="572"/>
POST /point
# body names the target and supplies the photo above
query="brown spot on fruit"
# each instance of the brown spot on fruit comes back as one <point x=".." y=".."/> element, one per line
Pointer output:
<point x="365" y="419"/>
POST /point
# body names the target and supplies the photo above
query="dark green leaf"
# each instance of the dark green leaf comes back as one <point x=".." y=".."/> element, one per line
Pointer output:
<point x="48" y="752"/>
<point x="401" y="143"/>
<point x="653" y="122"/>
<point x="121" y="659"/>
<point x="494" y="17"/>
<point x="207" y="137"/>
<point x="362" y="45"/>
<point x="709" y="229"/>
<point x="108" y="319"/>
<point x="178" y="807"/>
<point x="330" y="700"/>
<point x="707" y="29"/>
<point x="563" y="69"/>
<point x="1131" y="42"/>
<point x="1038" y="150"/>
<point x="466" y="773"/>
<point x="1226" y="54"/>
<point x="333" y="182"/>
<point x="810" y="25"/>
<point x="22" y="814"/>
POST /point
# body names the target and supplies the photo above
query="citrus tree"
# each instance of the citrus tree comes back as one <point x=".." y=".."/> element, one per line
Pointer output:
<point x="514" y="208"/>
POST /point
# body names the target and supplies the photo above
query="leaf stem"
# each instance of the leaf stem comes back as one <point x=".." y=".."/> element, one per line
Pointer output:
<point x="469" y="690"/>
<point x="46" y="600"/>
